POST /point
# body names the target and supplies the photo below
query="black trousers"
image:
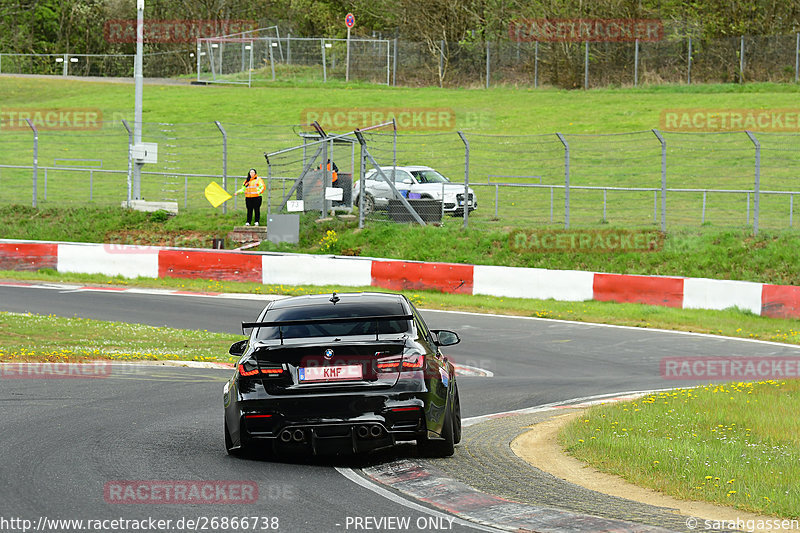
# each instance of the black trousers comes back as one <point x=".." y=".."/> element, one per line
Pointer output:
<point x="253" y="208"/>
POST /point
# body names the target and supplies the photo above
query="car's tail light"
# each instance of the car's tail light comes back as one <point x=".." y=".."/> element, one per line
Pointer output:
<point x="397" y="363"/>
<point x="249" y="369"/>
<point x="388" y="364"/>
<point x="413" y="361"/>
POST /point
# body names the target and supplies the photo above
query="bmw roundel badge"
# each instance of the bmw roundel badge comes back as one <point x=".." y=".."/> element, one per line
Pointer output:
<point x="328" y="353"/>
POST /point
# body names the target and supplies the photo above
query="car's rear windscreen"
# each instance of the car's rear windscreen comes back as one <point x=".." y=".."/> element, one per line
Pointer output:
<point x="341" y="310"/>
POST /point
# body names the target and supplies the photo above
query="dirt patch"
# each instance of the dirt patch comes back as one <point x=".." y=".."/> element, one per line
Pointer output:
<point x="541" y="449"/>
<point x="179" y="239"/>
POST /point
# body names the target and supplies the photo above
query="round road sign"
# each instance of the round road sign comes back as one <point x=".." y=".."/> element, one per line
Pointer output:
<point x="349" y="20"/>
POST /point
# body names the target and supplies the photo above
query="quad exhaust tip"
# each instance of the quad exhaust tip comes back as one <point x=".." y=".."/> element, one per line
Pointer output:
<point x="373" y="431"/>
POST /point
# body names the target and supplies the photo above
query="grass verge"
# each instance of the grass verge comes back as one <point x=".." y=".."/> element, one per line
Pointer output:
<point x="29" y="337"/>
<point x="729" y="322"/>
<point x="730" y="444"/>
<point x="545" y="110"/>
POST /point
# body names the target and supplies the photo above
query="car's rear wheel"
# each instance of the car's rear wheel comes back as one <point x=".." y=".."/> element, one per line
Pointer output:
<point x="456" y="415"/>
<point x="440" y="448"/>
<point x="369" y="203"/>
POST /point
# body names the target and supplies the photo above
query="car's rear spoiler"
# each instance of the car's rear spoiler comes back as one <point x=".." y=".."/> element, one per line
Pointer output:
<point x="338" y="320"/>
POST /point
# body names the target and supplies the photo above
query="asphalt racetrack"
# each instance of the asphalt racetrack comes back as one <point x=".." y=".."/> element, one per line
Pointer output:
<point x="65" y="441"/>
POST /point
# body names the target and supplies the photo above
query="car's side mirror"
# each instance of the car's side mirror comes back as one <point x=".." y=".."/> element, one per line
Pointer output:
<point x="408" y="181"/>
<point x="238" y="348"/>
<point x="445" y="337"/>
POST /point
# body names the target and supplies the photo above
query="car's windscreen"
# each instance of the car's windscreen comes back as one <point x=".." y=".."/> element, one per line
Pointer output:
<point x="341" y="310"/>
<point x="429" y="176"/>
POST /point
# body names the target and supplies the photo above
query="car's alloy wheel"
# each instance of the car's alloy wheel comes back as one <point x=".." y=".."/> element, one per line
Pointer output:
<point x="369" y="204"/>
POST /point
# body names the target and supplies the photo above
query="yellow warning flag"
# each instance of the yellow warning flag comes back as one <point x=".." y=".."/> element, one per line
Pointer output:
<point x="216" y="195"/>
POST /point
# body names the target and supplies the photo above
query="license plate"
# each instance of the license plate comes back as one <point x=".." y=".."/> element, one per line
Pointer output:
<point x="461" y="202"/>
<point x="330" y="373"/>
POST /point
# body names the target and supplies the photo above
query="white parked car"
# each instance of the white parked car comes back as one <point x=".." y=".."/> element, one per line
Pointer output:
<point x="412" y="182"/>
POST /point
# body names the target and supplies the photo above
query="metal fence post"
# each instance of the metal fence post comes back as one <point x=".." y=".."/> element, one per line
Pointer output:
<point x="362" y="187"/>
<point x="289" y="48"/>
<point x="757" y="194"/>
<point x="488" y="64"/>
<point x="536" y="64"/>
<point x="797" y="58"/>
<point x="636" y="63"/>
<point x="130" y="160"/>
<point x="703" y="217"/>
<point x="224" y="162"/>
<point x="269" y="188"/>
<point x="586" y="66"/>
<point x="441" y="62"/>
<point x="566" y="179"/>
<point x="324" y="66"/>
<point x="324" y="167"/>
<point x="197" y="53"/>
<point x="748" y="208"/>
<point x="689" y="64"/>
<point x="271" y="59"/>
<point x="466" y="178"/>
<point x="663" y="179"/>
<point x="35" y="162"/>
<point x="741" y="59"/>
<point x="394" y="63"/>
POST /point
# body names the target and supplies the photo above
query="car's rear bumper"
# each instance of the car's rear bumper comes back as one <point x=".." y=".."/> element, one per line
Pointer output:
<point x="332" y="424"/>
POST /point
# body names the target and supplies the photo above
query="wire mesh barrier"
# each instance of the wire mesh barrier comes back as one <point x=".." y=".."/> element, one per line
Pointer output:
<point x="154" y="64"/>
<point x="266" y="55"/>
<point x="637" y="179"/>
<point x="250" y="56"/>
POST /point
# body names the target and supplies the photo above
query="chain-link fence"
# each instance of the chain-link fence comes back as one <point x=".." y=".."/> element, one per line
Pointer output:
<point x="248" y="57"/>
<point x="154" y="64"/>
<point x="254" y="57"/>
<point x="641" y="179"/>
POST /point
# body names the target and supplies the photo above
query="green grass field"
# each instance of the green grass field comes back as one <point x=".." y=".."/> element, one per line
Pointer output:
<point x="79" y="339"/>
<point x="512" y="110"/>
<point x="511" y="132"/>
<point x="729" y="444"/>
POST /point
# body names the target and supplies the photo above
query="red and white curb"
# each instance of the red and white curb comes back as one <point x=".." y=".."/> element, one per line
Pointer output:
<point x="781" y="301"/>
